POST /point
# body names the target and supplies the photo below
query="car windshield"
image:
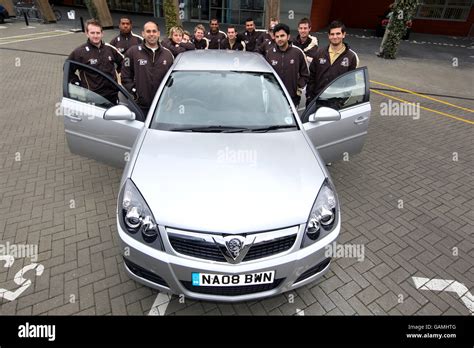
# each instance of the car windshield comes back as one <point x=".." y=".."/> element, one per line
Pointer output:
<point x="223" y="100"/>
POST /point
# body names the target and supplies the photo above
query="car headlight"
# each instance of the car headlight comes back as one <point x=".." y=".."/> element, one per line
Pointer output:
<point x="135" y="216"/>
<point x="323" y="216"/>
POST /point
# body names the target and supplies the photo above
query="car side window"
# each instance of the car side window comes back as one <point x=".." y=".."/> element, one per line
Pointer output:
<point x="346" y="91"/>
<point x="87" y="85"/>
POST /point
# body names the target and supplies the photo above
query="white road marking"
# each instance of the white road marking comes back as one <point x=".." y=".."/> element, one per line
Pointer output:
<point x="299" y="311"/>
<point x="161" y="303"/>
<point x="35" y="38"/>
<point x="30" y="35"/>
<point x="2" y="27"/>
<point x="446" y="285"/>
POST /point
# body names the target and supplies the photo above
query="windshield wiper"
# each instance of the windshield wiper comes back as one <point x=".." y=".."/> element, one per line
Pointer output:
<point x="210" y="129"/>
<point x="274" y="127"/>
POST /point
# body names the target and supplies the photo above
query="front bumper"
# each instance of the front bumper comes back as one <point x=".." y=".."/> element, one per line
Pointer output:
<point x="171" y="272"/>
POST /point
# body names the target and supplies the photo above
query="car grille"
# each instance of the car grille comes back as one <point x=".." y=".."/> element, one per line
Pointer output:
<point x="264" y="249"/>
<point x="313" y="270"/>
<point x="210" y="251"/>
<point x="200" y="249"/>
<point x="232" y="290"/>
<point x="143" y="273"/>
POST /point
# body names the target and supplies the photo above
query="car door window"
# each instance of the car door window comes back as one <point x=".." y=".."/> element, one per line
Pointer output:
<point x="348" y="90"/>
<point x="87" y="85"/>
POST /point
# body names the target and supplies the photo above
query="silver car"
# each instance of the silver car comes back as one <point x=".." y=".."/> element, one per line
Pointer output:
<point x="225" y="194"/>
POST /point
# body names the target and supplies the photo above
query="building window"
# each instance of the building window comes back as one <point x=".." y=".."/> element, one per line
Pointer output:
<point x="450" y="10"/>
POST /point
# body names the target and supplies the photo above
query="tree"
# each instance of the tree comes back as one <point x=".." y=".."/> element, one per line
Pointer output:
<point x="172" y="16"/>
<point x="402" y="12"/>
<point x="92" y="9"/>
<point x="273" y="10"/>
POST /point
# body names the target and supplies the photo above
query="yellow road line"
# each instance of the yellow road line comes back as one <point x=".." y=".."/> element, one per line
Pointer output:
<point x="34" y="38"/>
<point x="425" y="108"/>
<point x="422" y="96"/>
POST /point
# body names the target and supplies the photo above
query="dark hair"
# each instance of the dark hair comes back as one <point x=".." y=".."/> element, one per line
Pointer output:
<point x="249" y="20"/>
<point x="125" y="17"/>
<point x="282" y="26"/>
<point x="337" y="24"/>
<point x="214" y="19"/>
<point x="305" y="21"/>
<point x="231" y="27"/>
<point x="157" y="26"/>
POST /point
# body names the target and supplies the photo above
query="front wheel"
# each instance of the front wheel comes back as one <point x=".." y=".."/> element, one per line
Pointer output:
<point x="2" y="18"/>
<point x="58" y="15"/>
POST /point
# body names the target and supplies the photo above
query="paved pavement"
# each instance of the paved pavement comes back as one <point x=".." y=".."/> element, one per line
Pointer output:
<point x="408" y="198"/>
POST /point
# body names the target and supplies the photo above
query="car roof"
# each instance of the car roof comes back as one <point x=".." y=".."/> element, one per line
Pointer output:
<point x="221" y="60"/>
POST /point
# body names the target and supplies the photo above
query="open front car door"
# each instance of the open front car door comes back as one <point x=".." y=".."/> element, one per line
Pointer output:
<point x="101" y="124"/>
<point x="337" y="120"/>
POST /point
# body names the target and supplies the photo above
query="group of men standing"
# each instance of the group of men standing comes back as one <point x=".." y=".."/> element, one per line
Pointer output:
<point x="144" y="61"/>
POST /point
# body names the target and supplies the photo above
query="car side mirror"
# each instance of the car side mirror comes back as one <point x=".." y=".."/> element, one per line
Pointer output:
<point x="119" y="112"/>
<point x="325" y="114"/>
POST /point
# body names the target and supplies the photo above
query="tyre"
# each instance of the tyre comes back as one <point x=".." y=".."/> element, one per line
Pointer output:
<point x="2" y="18"/>
<point x="58" y="15"/>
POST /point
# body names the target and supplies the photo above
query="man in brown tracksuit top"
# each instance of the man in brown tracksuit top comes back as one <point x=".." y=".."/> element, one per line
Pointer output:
<point x="214" y="35"/>
<point x="102" y="56"/>
<point x="289" y="62"/>
<point x="330" y="62"/>
<point x="126" y="38"/>
<point x="145" y="66"/>
<point x="305" y="41"/>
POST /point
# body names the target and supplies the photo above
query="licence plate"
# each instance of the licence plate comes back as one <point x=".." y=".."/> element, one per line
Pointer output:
<point x="207" y="279"/>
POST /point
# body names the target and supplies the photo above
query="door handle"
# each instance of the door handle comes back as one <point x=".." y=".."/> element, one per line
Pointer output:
<point x="73" y="117"/>
<point x="361" y="119"/>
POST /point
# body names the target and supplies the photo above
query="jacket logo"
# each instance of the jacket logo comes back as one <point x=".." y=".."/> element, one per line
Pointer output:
<point x="345" y="62"/>
<point x="292" y="61"/>
<point x="87" y="48"/>
<point x="274" y="62"/>
<point x="142" y="62"/>
<point x="121" y="49"/>
<point x="165" y="62"/>
<point x="322" y="60"/>
<point x="93" y="61"/>
<point x="110" y="58"/>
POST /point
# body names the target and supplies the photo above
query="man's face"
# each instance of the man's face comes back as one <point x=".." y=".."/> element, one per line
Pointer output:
<point x="199" y="34"/>
<point x="125" y="26"/>
<point x="94" y="34"/>
<point x="151" y="34"/>
<point x="303" y="30"/>
<point x="250" y="26"/>
<point x="336" y="36"/>
<point x="177" y="37"/>
<point x="214" y="26"/>
<point x="231" y="34"/>
<point x="281" y="38"/>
